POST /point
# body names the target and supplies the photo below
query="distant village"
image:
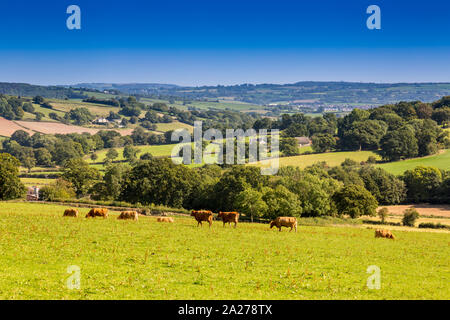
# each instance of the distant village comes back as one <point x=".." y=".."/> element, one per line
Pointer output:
<point x="314" y="107"/>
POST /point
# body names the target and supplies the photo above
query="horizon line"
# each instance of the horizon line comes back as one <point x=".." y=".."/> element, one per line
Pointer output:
<point x="77" y="85"/>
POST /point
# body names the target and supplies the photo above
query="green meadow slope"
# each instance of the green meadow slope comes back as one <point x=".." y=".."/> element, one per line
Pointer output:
<point x="441" y="161"/>
<point x="331" y="158"/>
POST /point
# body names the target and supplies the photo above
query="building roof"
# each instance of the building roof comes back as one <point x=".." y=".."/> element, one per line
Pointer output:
<point x="303" y="140"/>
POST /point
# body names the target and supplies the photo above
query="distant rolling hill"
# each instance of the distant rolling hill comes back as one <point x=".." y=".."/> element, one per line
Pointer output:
<point x="261" y="94"/>
<point x="125" y="87"/>
<point x="29" y="90"/>
<point x="317" y="92"/>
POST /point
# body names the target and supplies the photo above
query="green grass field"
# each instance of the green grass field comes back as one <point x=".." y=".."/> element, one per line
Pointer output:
<point x="305" y="149"/>
<point x="46" y="112"/>
<point x="37" y="181"/>
<point x="441" y="161"/>
<point x="331" y="158"/>
<point x="99" y="95"/>
<point x="163" y="127"/>
<point x="205" y="105"/>
<point x="156" y="150"/>
<point x="150" y="260"/>
<point x="96" y="109"/>
<point x="39" y="170"/>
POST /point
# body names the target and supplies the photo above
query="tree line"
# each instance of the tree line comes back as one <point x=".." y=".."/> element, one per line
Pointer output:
<point x="352" y="188"/>
<point x="330" y="92"/>
<point x="28" y="90"/>
<point x="54" y="150"/>
<point x="400" y="131"/>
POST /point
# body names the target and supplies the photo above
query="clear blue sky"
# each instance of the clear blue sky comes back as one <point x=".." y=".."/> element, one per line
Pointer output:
<point x="212" y="42"/>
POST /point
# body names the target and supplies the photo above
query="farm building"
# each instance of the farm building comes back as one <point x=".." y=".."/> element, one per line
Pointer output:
<point x="33" y="194"/>
<point x="303" y="141"/>
<point x="100" y="121"/>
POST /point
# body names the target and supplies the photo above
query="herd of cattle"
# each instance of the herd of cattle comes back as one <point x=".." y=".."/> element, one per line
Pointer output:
<point x="200" y="216"/>
<point x="207" y="216"/>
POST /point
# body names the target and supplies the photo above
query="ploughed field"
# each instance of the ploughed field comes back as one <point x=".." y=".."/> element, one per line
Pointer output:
<point x="150" y="260"/>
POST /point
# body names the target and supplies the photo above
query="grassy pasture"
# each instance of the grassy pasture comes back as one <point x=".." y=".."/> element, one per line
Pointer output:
<point x="46" y="112"/>
<point x="150" y="260"/>
<point x="331" y="158"/>
<point x="205" y="105"/>
<point x="28" y="116"/>
<point x="164" y="127"/>
<point x="98" y="95"/>
<point x="94" y="108"/>
<point x="40" y="182"/>
<point x="226" y="104"/>
<point x="155" y="150"/>
<point x="33" y="174"/>
<point x="39" y="170"/>
<point x="441" y="161"/>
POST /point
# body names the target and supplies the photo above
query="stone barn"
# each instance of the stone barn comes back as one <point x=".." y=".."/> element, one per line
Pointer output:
<point x="303" y="141"/>
<point x="33" y="194"/>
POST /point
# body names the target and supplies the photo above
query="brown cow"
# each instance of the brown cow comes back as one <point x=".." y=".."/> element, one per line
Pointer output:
<point x="165" y="219"/>
<point x="128" y="215"/>
<point x="381" y="233"/>
<point x="71" y="213"/>
<point x="202" y="215"/>
<point x="289" y="222"/>
<point x="229" y="217"/>
<point x="97" y="212"/>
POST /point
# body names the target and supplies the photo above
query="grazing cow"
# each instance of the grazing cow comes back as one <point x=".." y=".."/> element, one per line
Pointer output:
<point x="229" y="217"/>
<point x="165" y="219"/>
<point x="202" y="215"/>
<point x="71" y="213"/>
<point x="381" y="233"/>
<point x="289" y="222"/>
<point x="97" y="212"/>
<point x="128" y="215"/>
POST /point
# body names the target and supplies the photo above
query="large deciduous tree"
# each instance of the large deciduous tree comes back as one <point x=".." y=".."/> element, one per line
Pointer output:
<point x="355" y="201"/>
<point x="289" y="147"/>
<point x="422" y="183"/>
<point x="10" y="185"/>
<point x="386" y="188"/>
<point x="313" y="191"/>
<point x="323" y="142"/>
<point x="281" y="202"/>
<point x="364" y="135"/>
<point x="399" y="144"/>
<point x="161" y="182"/>
<point x="250" y="202"/>
<point x="233" y="182"/>
<point x="81" y="175"/>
